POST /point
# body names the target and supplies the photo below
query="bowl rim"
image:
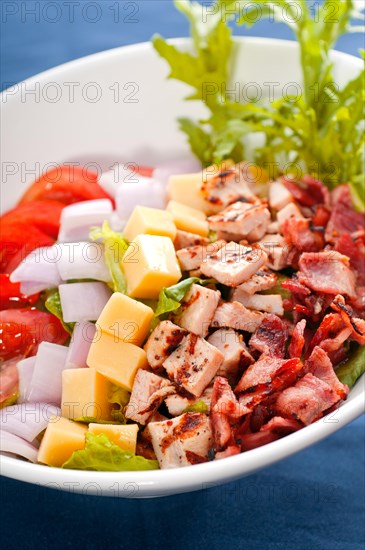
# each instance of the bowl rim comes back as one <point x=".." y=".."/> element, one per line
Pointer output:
<point x="177" y="480"/>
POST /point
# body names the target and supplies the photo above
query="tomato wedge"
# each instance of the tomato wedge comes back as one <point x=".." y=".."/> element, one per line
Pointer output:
<point x="10" y="295"/>
<point x="44" y="214"/>
<point x="66" y="184"/>
<point x="146" y="171"/>
<point x="17" y="240"/>
<point x="22" y="330"/>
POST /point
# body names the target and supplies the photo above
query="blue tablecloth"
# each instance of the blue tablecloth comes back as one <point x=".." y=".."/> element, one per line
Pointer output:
<point x="314" y="500"/>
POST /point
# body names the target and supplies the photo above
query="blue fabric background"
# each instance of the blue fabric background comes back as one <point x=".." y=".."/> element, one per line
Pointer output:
<point x="314" y="500"/>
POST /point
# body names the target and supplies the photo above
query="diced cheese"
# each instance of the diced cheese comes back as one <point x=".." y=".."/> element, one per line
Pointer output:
<point x="118" y="361"/>
<point x="150" y="264"/>
<point x="188" y="219"/>
<point x="126" y="319"/>
<point x="61" y="438"/>
<point x="125" y="436"/>
<point x="185" y="189"/>
<point x="150" y="221"/>
<point x="85" y="394"/>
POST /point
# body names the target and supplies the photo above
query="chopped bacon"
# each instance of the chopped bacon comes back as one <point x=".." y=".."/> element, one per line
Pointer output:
<point x="266" y="376"/>
<point x="298" y="233"/>
<point x="354" y="248"/>
<point x="319" y="364"/>
<point x="295" y="287"/>
<point x="224" y="409"/>
<point x="321" y="216"/>
<point x="276" y="428"/>
<point x="331" y="333"/>
<point x="307" y="400"/>
<point x="297" y="340"/>
<point x="271" y="336"/>
<point x="343" y="218"/>
<point x="308" y="191"/>
<point x="230" y="451"/>
<point x="355" y="324"/>
<point x="327" y="272"/>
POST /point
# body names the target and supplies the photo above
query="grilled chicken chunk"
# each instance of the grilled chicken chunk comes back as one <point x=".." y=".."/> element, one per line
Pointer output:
<point x="241" y="219"/>
<point x="148" y="392"/>
<point x="235" y="315"/>
<point x="276" y="249"/>
<point x="193" y="364"/>
<point x="233" y="263"/>
<point x="182" y="441"/>
<point x="184" y="239"/>
<point x="197" y="309"/>
<point x="176" y="403"/>
<point x="264" y="279"/>
<point x="235" y="352"/>
<point x="190" y="258"/>
<point x="270" y="303"/>
<point x="279" y="195"/>
<point x="162" y="341"/>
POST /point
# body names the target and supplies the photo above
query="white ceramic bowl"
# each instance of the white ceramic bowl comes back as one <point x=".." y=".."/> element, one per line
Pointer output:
<point x="134" y="120"/>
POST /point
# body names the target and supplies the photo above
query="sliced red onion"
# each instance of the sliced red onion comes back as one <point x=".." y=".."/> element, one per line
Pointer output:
<point x="144" y="191"/>
<point x="163" y="171"/>
<point x="25" y="373"/>
<point x="83" y="301"/>
<point x="111" y="181"/>
<point x="10" y="443"/>
<point x="46" y="383"/>
<point x="82" y="260"/>
<point x="82" y="337"/>
<point x="38" y="271"/>
<point x="76" y="219"/>
<point x="27" y="420"/>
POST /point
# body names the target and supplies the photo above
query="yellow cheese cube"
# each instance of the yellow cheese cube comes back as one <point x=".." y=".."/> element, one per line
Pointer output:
<point x="61" y="438"/>
<point x="85" y="395"/>
<point x="124" y="436"/>
<point x="185" y="188"/>
<point x="118" y="361"/>
<point x="125" y="319"/>
<point x="188" y="219"/>
<point x="150" y="221"/>
<point x="149" y="265"/>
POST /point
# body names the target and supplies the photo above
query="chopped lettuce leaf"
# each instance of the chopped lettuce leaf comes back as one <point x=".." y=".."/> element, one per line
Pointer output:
<point x="119" y="397"/>
<point x="353" y="368"/>
<point x="53" y="304"/>
<point x="102" y="455"/>
<point x="278" y="289"/>
<point x="199" y="407"/>
<point x="115" y="246"/>
<point x="170" y="298"/>
<point x="319" y="131"/>
<point x="90" y="419"/>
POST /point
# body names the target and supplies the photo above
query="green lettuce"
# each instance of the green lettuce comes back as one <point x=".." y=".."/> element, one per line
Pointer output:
<point x="170" y="298"/>
<point x="320" y="131"/>
<point x="53" y="304"/>
<point x="102" y="455"/>
<point x="115" y="246"/>
<point x="199" y="407"/>
<point x="353" y="368"/>
<point x="119" y="397"/>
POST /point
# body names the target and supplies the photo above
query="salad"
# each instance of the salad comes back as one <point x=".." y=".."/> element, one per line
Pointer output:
<point x="196" y="310"/>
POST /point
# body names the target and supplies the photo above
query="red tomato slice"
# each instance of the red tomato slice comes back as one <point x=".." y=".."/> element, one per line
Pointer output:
<point x="44" y="214"/>
<point x="145" y="171"/>
<point x="10" y="295"/>
<point x="17" y="240"/>
<point x="67" y="184"/>
<point x="22" y="330"/>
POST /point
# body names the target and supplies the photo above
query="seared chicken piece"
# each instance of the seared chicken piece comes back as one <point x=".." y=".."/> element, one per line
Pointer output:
<point x="148" y="392"/>
<point x="182" y="441"/>
<point x="197" y="309"/>
<point x="162" y="341"/>
<point x="234" y="263"/>
<point x="193" y="364"/>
